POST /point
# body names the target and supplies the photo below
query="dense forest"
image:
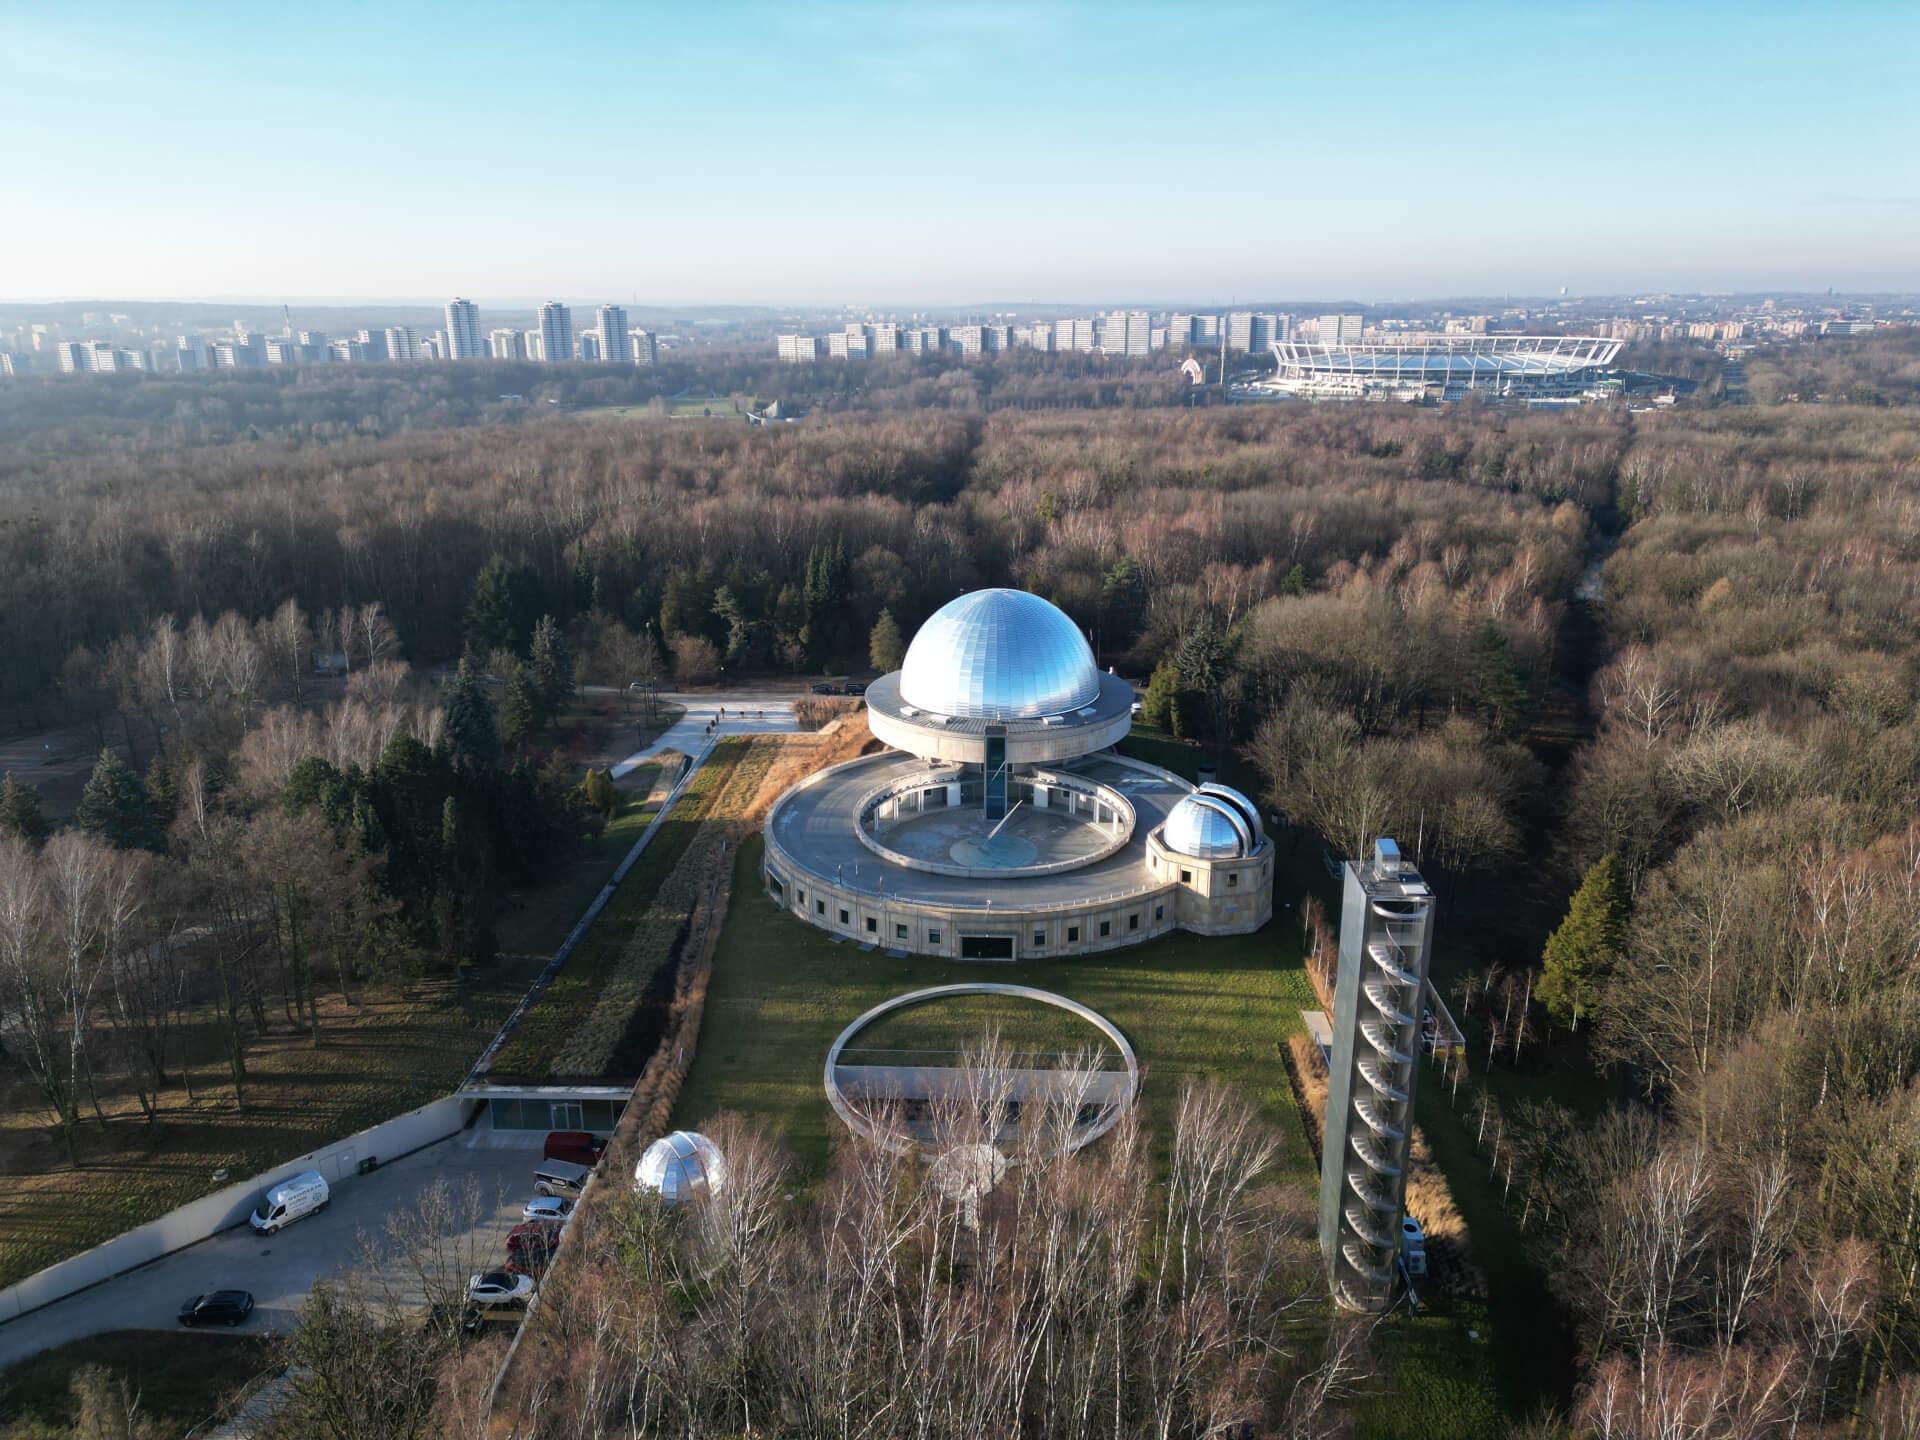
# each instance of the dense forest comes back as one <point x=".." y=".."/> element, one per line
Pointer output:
<point x="1652" y="673"/>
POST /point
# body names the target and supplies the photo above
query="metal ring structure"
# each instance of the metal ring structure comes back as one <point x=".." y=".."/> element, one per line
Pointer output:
<point x="896" y="1143"/>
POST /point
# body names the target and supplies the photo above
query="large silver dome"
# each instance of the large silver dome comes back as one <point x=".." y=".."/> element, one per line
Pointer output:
<point x="999" y="655"/>
<point x="681" y="1166"/>
<point x="1208" y="827"/>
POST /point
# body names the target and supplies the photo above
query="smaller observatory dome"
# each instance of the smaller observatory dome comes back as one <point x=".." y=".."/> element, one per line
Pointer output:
<point x="1210" y="827"/>
<point x="999" y="655"/>
<point x="681" y="1166"/>
<point x="1248" y="810"/>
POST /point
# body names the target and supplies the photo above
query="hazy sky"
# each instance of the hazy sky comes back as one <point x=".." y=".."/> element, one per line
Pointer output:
<point x="954" y="152"/>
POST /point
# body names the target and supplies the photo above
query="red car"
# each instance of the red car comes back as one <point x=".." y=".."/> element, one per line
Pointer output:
<point x="579" y="1147"/>
<point x="534" y="1236"/>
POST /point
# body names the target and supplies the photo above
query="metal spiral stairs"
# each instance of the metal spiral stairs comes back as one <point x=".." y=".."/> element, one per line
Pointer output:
<point x="1391" y="1005"/>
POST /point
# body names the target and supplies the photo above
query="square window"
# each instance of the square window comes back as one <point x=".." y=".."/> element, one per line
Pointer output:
<point x="899" y="932"/>
<point x="1233" y="878"/>
<point x="933" y="937"/>
<point x="1073" y="934"/>
<point x="1186" y="877"/>
<point x="873" y="926"/>
<point x="845" y="919"/>
<point x="1133" y="921"/>
<point x="1106" y="928"/>
<point x="1039" y="938"/>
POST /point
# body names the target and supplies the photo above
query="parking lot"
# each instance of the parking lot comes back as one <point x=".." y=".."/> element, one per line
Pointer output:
<point x="489" y="1175"/>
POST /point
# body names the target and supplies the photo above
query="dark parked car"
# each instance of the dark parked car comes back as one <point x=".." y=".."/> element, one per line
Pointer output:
<point x="856" y="688"/>
<point x="579" y="1146"/>
<point x="825" y="688"/>
<point x="219" y="1307"/>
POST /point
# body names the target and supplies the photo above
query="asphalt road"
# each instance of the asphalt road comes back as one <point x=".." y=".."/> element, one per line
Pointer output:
<point x="282" y="1268"/>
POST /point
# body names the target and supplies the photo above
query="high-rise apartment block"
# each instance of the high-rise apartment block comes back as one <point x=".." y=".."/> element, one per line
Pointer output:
<point x="616" y="346"/>
<point x="556" y="332"/>
<point x="1126" y="332"/>
<point x="885" y="335"/>
<point x="1037" y="335"/>
<point x="1386" y="940"/>
<point x="1247" y="330"/>
<point x="643" y="347"/>
<point x="463" y="331"/>
<point x="402" y="343"/>
<point x="1338" y="329"/>
<point x="506" y="345"/>
<point x="190" y="352"/>
<point x="848" y="344"/>
<point x="797" y="349"/>
<point x="968" y="339"/>
<point x="587" y="346"/>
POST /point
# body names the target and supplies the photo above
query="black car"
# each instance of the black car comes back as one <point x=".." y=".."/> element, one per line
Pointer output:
<point x="219" y="1307"/>
<point x="823" y="688"/>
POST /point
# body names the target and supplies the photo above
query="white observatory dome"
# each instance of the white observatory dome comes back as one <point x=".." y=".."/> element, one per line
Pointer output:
<point x="681" y="1166"/>
<point x="999" y="655"/>
<point x="1208" y="826"/>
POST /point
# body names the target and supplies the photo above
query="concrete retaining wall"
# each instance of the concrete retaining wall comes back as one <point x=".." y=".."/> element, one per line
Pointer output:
<point x="222" y="1210"/>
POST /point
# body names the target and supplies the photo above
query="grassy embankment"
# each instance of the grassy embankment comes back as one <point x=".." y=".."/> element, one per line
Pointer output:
<point x="181" y="1377"/>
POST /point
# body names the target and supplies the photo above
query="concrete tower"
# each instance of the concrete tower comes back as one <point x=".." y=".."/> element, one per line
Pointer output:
<point x="1386" y="937"/>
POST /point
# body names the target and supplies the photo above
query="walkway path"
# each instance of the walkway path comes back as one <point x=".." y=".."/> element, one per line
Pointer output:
<point x="712" y="716"/>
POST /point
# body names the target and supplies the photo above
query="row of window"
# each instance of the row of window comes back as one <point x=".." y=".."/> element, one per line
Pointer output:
<point x="904" y="932"/>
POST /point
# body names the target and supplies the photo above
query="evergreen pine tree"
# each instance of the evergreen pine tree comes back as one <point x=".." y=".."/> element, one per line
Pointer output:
<point x="114" y="805"/>
<point x="1499" y="678"/>
<point x="1161" y="704"/>
<point x="1583" y="951"/>
<point x="20" y="812"/>
<point x="470" y="733"/>
<point x="489" y="617"/>
<point x="521" y="710"/>
<point x="552" y="664"/>
<point x="885" y="648"/>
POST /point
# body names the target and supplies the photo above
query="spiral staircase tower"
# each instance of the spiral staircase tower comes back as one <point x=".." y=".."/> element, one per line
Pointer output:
<point x="1386" y="938"/>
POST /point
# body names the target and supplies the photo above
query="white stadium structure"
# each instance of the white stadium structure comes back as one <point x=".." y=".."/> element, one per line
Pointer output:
<point x="1415" y="368"/>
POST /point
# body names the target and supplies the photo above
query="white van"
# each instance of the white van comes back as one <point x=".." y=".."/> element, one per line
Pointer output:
<point x="289" y="1201"/>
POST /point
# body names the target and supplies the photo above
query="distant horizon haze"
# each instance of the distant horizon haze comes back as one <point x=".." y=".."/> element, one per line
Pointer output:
<point x="934" y="154"/>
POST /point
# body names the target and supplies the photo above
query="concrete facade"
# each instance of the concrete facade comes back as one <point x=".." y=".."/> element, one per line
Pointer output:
<point x="818" y="868"/>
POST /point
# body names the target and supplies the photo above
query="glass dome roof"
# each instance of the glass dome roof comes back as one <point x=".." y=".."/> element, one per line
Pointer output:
<point x="1208" y="828"/>
<point x="681" y="1166"/>
<point x="999" y="655"/>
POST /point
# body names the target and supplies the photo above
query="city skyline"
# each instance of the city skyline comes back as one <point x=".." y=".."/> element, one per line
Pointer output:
<point x="1474" y="150"/>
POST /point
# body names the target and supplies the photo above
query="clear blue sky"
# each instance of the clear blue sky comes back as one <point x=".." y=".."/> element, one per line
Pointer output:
<point x="954" y="152"/>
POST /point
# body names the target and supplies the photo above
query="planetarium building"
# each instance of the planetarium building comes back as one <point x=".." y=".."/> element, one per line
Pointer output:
<point x="999" y="824"/>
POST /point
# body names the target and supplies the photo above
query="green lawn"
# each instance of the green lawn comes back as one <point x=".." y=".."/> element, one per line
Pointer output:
<point x="181" y="1376"/>
<point x="781" y="990"/>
